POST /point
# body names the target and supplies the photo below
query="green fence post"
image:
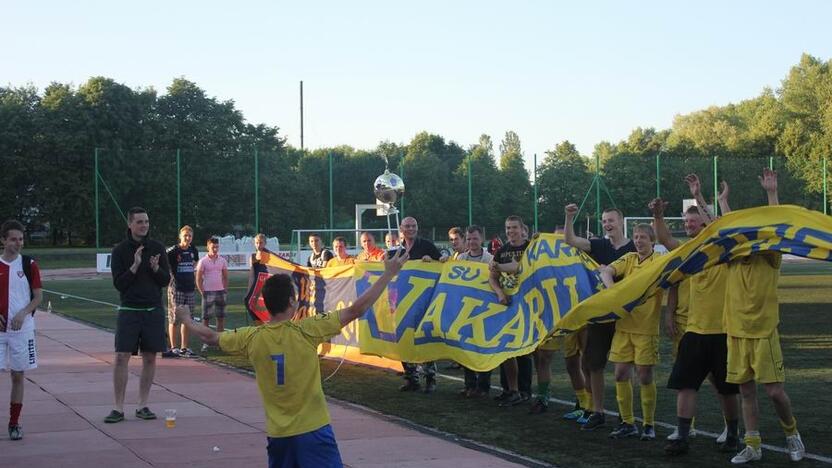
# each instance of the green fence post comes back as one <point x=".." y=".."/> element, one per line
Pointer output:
<point x="95" y="177"/>
<point x="401" y="174"/>
<point x="658" y="175"/>
<point x="771" y="163"/>
<point x="470" y="199"/>
<point x="716" y="188"/>
<point x="178" y="190"/>
<point x="256" y="193"/>
<point x="535" y="193"/>
<point x="331" y="225"/>
<point x="825" y="200"/>
<point x="597" y="195"/>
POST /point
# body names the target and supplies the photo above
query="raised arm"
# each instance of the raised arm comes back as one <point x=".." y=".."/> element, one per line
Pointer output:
<point x="663" y="236"/>
<point x="722" y="198"/>
<point x="392" y="266"/>
<point x="769" y="182"/>
<point x="569" y="230"/>
<point x="696" y="191"/>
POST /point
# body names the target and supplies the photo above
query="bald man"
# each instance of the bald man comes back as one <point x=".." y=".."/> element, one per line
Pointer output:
<point x="420" y="250"/>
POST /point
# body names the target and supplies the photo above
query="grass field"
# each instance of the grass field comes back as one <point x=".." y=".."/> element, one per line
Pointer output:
<point x="806" y="336"/>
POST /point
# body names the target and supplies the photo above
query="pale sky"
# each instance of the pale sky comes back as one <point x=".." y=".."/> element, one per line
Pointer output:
<point x="376" y="70"/>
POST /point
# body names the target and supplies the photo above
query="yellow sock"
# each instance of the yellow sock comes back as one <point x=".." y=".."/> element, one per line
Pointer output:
<point x="692" y="422"/>
<point x="588" y="399"/>
<point x="624" y="395"/>
<point x="583" y="398"/>
<point x="648" y="403"/>
<point x="753" y="439"/>
<point x="789" y="429"/>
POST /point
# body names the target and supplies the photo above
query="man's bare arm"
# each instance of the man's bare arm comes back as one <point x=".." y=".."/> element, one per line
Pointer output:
<point x="663" y="236"/>
<point x="392" y="266"/>
<point x="569" y="230"/>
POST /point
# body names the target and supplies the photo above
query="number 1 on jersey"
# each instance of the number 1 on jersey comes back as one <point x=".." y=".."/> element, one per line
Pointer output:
<point x="280" y="365"/>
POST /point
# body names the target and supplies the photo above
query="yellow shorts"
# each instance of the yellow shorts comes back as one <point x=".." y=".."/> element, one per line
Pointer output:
<point x="572" y="344"/>
<point x="643" y="350"/>
<point x="758" y="359"/>
<point x="553" y="343"/>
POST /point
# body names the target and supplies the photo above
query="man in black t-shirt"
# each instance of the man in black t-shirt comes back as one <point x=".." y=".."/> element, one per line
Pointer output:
<point x="182" y="259"/>
<point x="320" y="255"/>
<point x="424" y="250"/>
<point x="515" y="373"/>
<point x="604" y="250"/>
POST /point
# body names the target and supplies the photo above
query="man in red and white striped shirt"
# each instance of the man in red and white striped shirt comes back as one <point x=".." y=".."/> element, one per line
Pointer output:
<point x="20" y="294"/>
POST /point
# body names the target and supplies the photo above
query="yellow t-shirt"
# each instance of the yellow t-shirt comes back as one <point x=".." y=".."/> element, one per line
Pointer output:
<point x="682" y="302"/>
<point x="375" y="255"/>
<point x="335" y="261"/>
<point x="752" y="309"/>
<point x="644" y="319"/>
<point x="288" y="373"/>
<point x="707" y="301"/>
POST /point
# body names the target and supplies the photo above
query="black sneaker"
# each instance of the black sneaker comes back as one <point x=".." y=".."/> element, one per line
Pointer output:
<point x="525" y="396"/>
<point x="145" y="413"/>
<point x="410" y="386"/>
<point x="512" y="399"/>
<point x="502" y="396"/>
<point x="430" y="385"/>
<point x="15" y="432"/>
<point x="539" y="407"/>
<point x="114" y="417"/>
<point x="731" y="445"/>
<point x="676" y="447"/>
<point x="623" y="431"/>
<point x="594" y="421"/>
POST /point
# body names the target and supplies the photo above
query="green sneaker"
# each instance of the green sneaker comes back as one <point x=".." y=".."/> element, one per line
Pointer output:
<point x="114" y="417"/>
<point x="15" y="432"/>
<point x="145" y="413"/>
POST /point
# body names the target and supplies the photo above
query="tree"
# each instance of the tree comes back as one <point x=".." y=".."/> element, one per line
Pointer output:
<point x="563" y="176"/>
<point x="515" y="188"/>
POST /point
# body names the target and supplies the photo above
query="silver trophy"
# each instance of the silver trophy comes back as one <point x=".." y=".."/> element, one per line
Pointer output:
<point x="387" y="188"/>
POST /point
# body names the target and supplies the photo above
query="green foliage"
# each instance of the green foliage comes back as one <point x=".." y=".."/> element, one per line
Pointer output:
<point x="47" y="142"/>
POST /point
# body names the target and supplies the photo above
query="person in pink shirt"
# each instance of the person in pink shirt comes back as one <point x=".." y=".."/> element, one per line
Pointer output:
<point x="212" y="282"/>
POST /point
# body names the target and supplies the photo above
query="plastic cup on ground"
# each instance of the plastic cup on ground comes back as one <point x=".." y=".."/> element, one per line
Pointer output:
<point x="170" y="418"/>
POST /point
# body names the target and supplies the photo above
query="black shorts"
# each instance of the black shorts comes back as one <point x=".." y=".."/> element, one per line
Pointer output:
<point x="698" y="356"/>
<point x="598" y="342"/>
<point x="140" y="330"/>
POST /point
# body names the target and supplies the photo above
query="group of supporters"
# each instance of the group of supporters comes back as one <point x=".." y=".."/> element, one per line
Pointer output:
<point x="722" y="321"/>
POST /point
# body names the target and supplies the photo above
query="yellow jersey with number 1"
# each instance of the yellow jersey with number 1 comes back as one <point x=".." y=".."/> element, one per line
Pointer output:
<point x="285" y="360"/>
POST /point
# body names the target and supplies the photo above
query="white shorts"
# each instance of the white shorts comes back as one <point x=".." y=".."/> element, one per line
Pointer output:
<point x="18" y="351"/>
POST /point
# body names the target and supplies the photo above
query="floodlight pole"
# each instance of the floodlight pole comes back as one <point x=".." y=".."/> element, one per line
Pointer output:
<point x="178" y="191"/>
<point x="256" y="192"/>
<point x="97" y="236"/>
<point x="597" y="194"/>
<point x="716" y="187"/>
<point x="535" y="192"/>
<point x="301" y="115"/>
<point x="470" y="199"/>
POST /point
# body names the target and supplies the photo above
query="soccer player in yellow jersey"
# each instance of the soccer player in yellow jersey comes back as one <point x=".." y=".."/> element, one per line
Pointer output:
<point x="702" y="348"/>
<point x="636" y="340"/>
<point x="285" y="360"/>
<point x="752" y="313"/>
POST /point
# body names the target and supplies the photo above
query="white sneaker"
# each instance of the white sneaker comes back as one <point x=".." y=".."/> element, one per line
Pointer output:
<point x="204" y="348"/>
<point x="675" y="435"/>
<point x="796" y="447"/>
<point x="748" y="454"/>
<point x="722" y="437"/>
